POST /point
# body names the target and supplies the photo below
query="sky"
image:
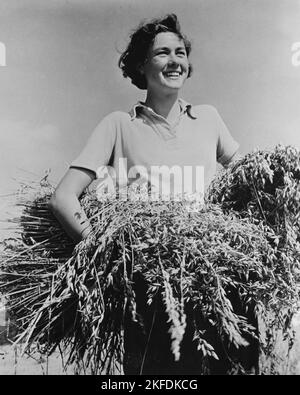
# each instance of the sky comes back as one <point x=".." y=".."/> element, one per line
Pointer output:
<point x="61" y="75"/>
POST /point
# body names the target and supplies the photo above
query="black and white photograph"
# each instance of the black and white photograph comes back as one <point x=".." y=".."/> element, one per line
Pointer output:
<point x="150" y="190"/>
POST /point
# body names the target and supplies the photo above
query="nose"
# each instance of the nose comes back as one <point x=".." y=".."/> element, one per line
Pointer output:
<point x="173" y="60"/>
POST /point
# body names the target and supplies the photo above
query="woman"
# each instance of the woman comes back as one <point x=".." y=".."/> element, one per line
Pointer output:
<point x="163" y="131"/>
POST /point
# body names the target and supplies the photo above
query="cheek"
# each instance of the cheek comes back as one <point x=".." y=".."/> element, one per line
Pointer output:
<point x="154" y="69"/>
<point x="158" y="68"/>
<point x="186" y="64"/>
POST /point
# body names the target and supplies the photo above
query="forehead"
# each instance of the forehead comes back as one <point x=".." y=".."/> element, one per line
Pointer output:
<point x="167" y="39"/>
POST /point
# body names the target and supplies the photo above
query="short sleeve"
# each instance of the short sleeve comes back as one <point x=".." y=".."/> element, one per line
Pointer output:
<point x="226" y="146"/>
<point x="99" y="148"/>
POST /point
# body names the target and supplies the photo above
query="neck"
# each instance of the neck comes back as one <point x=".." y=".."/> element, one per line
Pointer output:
<point x="166" y="106"/>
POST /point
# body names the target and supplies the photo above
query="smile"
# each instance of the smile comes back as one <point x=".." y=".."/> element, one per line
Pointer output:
<point x="172" y="74"/>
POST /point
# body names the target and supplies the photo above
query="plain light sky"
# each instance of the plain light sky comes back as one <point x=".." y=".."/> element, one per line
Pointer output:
<point x="61" y="75"/>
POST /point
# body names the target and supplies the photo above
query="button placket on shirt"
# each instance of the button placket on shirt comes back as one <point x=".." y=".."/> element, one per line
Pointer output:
<point x="167" y="131"/>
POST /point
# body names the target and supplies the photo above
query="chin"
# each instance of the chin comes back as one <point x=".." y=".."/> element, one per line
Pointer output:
<point x="174" y="86"/>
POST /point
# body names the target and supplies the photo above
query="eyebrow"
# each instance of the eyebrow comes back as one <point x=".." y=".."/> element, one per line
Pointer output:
<point x="167" y="48"/>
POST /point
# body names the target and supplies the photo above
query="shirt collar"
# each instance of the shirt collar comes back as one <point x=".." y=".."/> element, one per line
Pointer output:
<point x="140" y="106"/>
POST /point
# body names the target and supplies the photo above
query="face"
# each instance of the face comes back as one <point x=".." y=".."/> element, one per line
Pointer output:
<point x="167" y="66"/>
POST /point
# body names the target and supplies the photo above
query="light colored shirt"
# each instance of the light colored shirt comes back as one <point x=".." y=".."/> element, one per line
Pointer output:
<point x="197" y="140"/>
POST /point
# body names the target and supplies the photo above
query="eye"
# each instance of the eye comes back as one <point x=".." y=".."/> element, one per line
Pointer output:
<point x="181" y="53"/>
<point x="161" y="53"/>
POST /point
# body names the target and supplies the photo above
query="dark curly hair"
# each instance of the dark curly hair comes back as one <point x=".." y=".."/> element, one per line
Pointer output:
<point x="141" y="39"/>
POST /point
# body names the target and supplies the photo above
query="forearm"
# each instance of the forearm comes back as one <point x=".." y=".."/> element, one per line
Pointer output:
<point x="71" y="216"/>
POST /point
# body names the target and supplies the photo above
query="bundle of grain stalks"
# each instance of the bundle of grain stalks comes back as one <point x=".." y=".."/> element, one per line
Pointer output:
<point x="158" y="286"/>
<point x="264" y="186"/>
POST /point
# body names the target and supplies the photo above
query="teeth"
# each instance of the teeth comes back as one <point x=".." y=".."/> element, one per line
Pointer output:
<point x="173" y="74"/>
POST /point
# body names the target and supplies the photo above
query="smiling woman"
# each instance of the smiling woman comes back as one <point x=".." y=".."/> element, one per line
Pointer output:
<point x="163" y="131"/>
<point x="144" y="41"/>
<point x="165" y="69"/>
